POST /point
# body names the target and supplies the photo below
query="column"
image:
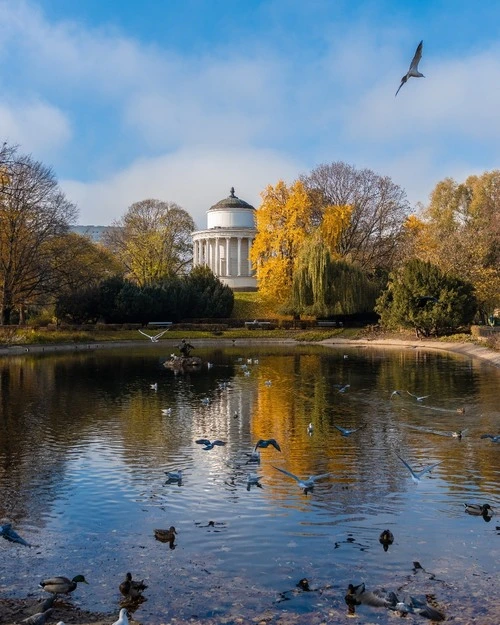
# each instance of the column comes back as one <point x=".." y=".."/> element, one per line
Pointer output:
<point x="217" y="257"/>
<point x="228" y="271"/>
<point x="239" y="256"/>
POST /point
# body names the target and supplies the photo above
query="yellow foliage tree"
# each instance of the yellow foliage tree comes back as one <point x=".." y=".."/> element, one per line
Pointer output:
<point x="283" y="222"/>
<point x="335" y="220"/>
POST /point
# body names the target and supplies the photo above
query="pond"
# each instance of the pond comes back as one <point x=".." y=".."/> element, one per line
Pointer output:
<point x="86" y="440"/>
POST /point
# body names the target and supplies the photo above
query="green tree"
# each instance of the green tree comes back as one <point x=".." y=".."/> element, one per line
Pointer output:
<point x="420" y="296"/>
<point x="324" y="287"/>
<point x="152" y="241"/>
<point x="206" y="295"/>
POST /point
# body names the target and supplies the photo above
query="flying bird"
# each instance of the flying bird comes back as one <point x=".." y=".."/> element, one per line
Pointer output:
<point x="154" y="338"/>
<point x="413" y="71"/>
<point x="417" y="397"/>
<point x="416" y="476"/>
<point x="308" y="484"/>
<point x="209" y="444"/>
<point x="495" y="438"/>
<point x="263" y="443"/>
<point x="347" y="432"/>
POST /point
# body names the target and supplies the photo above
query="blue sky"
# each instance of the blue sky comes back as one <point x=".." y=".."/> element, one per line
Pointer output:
<point x="180" y="100"/>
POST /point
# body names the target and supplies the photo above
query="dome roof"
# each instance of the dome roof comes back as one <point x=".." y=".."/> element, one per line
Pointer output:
<point x="231" y="202"/>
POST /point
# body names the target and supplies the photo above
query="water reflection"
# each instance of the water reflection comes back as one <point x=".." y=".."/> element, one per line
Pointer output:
<point x="85" y="444"/>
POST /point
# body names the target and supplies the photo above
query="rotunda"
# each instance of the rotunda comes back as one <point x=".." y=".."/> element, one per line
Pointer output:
<point x="225" y="245"/>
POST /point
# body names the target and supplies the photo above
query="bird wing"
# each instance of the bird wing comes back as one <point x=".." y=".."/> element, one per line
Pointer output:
<point x="486" y="435"/>
<point x="297" y="479"/>
<point x="315" y="478"/>
<point x="56" y="580"/>
<point x="159" y="335"/>
<point x="416" y="59"/>
<point x="220" y="443"/>
<point x="407" y="465"/>
<point x="146" y="334"/>
<point x="341" y="430"/>
<point x="428" y="469"/>
<point x="403" y="80"/>
<point x="203" y="441"/>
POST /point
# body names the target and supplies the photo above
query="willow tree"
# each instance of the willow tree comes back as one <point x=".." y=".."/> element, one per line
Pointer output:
<point x="283" y="222"/>
<point x="324" y="286"/>
<point x="152" y="241"/>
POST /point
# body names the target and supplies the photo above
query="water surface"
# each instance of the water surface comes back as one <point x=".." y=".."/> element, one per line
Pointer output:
<point x="84" y="446"/>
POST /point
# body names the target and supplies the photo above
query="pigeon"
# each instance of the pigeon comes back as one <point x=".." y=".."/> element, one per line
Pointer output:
<point x="38" y="619"/>
<point x="263" y="443"/>
<point x="413" y="71"/>
<point x="9" y="534"/>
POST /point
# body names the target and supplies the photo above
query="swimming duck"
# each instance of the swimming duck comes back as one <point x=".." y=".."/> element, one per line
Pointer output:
<point x="477" y="509"/>
<point x="386" y="538"/>
<point x="166" y="536"/>
<point x="62" y="585"/>
<point x="130" y="588"/>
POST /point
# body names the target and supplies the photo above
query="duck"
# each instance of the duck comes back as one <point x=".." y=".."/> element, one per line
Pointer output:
<point x="62" y="585"/>
<point x="130" y="588"/>
<point x="477" y="509"/>
<point x="386" y="538"/>
<point x="166" y="536"/>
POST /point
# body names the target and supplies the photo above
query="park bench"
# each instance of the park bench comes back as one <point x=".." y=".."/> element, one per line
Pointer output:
<point x="261" y="325"/>
<point x="329" y="324"/>
<point x="159" y="324"/>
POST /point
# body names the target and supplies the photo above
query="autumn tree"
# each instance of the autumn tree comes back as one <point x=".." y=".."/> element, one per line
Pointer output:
<point x="33" y="213"/>
<point x="378" y="210"/>
<point x="283" y="222"/>
<point x="420" y="296"/>
<point x="152" y="240"/>
<point x="459" y="231"/>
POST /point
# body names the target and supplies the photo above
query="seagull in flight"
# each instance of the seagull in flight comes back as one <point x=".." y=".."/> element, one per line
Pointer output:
<point x="154" y="338"/>
<point x="495" y="438"/>
<point x="347" y="432"/>
<point x="209" y="444"/>
<point x="413" y="71"/>
<point x="416" y="476"/>
<point x="306" y="485"/>
<point x="418" y="398"/>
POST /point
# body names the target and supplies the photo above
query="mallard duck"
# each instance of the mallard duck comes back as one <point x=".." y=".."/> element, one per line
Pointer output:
<point x="166" y="536"/>
<point x="477" y="509"/>
<point x="131" y="588"/>
<point x="62" y="585"/>
<point x="386" y="538"/>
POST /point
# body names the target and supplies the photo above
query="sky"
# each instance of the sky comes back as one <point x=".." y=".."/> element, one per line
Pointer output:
<point x="180" y="100"/>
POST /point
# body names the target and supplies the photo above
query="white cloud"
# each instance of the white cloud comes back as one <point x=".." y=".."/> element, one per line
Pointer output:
<point x="195" y="178"/>
<point x="38" y="127"/>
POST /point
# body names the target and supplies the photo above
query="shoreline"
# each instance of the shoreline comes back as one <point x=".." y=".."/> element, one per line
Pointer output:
<point x="465" y="349"/>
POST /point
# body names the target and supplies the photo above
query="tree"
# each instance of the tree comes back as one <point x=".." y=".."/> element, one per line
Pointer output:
<point x="379" y="208"/>
<point x="459" y="231"/>
<point x="152" y="240"/>
<point x="283" y="222"/>
<point x="206" y="295"/>
<point x="33" y="213"/>
<point x="420" y="296"/>
<point x="324" y="287"/>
